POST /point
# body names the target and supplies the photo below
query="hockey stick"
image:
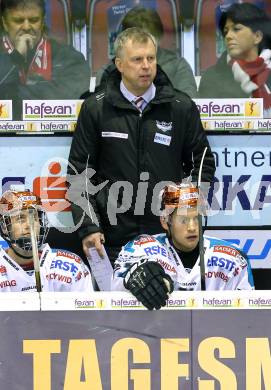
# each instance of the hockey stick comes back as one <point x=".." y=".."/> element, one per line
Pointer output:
<point x="35" y="248"/>
<point x="201" y="248"/>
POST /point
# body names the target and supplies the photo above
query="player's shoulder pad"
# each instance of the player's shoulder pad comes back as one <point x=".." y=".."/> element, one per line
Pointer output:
<point x="227" y="248"/>
<point x="65" y="254"/>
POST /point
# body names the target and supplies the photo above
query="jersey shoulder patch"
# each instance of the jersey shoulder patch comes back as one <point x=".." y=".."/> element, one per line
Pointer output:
<point x="67" y="255"/>
<point x="224" y="247"/>
<point x="144" y="239"/>
<point x="215" y="242"/>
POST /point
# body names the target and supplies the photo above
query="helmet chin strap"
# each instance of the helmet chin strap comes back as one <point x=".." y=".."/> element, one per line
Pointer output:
<point x="20" y="254"/>
<point x="17" y="247"/>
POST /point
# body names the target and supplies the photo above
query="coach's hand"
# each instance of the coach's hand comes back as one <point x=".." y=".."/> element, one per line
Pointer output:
<point x="95" y="240"/>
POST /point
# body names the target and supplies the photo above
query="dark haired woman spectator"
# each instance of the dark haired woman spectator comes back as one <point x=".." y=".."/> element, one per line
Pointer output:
<point x="244" y="69"/>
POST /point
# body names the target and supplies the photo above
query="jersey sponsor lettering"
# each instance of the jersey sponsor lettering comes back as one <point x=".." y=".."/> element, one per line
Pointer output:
<point x="221" y="262"/>
<point x="59" y="277"/>
<point x="186" y="286"/>
<point x="29" y="288"/>
<point x="144" y="240"/>
<point x="69" y="255"/>
<point x="155" y="250"/>
<point x="225" y="249"/>
<point x="11" y="263"/>
<point x="220" y="275"/>
<point x="64" y="266"/>
<point x="236" y="271"/>
<point x="8" y="283"/>
<point x="78" y="276"/>
<point x="167" y="266"/>
<point x="43" y="257"/>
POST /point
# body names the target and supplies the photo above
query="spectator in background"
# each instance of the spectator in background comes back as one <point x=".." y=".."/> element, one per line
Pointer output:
<point x="176" y="68"/>
<point x="137" y="130"/>
<point x="33" y="66"/>
<point x="244" y="70"/>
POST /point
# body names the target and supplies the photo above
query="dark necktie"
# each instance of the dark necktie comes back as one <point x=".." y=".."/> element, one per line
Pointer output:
<point x="138" y="102"/>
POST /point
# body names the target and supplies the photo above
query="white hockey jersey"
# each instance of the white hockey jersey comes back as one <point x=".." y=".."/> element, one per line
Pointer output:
<point x="60" y="270"/>
<point x="225" y="267"/>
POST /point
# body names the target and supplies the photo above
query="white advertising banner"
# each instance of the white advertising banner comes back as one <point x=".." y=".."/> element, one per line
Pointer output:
<point x="230" y="108"/>
<point x="40" y="110"/>
<point x="233" y="125"/>
<point x="35" y="126"/>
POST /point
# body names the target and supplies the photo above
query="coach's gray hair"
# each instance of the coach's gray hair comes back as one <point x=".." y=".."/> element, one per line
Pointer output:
<point x="134" y="34"/>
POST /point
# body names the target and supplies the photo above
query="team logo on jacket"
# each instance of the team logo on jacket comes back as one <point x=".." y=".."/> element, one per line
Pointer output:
<point x="164" y="126"/>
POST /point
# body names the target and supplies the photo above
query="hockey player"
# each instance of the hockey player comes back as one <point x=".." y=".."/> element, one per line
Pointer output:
<point x="60" y="270"/>
<point x="151" y="267"/>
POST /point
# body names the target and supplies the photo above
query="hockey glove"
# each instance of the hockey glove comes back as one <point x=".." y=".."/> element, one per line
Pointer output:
<point x="149" y="283"/>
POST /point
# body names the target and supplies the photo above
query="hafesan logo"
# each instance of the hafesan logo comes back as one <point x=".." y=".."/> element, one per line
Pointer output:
<point x="238" y="302"/>
<point x="78" y="107"/>
<point x="30" y="126"/>
<point x="192" y="302"/>
<point x="252" y="109"/>
<point x="5" y="110"/>
<point x="89" y="304"/>
<point x="36" y="110"/>
<point x="207" y="125"/>
<point x="228" y="109"/>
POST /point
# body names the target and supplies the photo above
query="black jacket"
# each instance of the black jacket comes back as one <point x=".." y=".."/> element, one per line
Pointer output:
<point x="70" y="77"/>
<point x="119" y="143"/>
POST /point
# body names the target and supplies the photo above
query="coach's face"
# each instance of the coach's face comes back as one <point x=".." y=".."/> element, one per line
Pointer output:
<point x="137" y="65"/>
